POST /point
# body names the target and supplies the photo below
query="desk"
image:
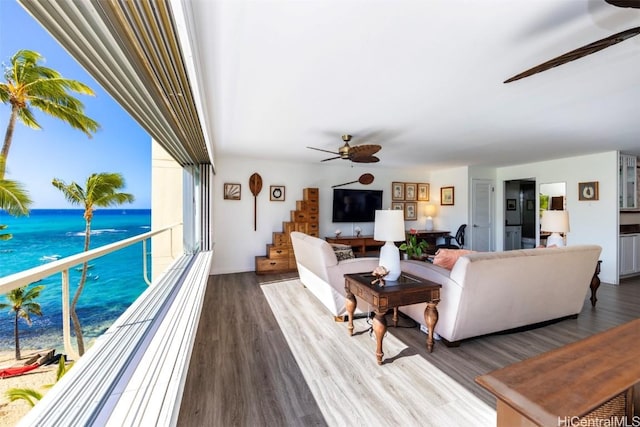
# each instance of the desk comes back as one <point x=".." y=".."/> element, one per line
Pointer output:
<point x="431" y="237"/>
<point x="590" y="378"/>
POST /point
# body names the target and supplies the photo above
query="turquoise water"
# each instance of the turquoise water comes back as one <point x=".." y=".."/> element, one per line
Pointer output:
<point x="114" y="281"/>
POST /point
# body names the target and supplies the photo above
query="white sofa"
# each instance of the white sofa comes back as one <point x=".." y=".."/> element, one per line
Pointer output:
<point x="485" y="292"/>
<point x="488" y="292"/>
<point x="322" y="273"/>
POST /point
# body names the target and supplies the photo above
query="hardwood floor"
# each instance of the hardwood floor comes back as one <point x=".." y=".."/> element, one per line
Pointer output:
<point x="243" y="372"/>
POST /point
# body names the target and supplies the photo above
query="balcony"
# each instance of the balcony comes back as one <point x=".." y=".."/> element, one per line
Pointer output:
<point x="142" y="357"/>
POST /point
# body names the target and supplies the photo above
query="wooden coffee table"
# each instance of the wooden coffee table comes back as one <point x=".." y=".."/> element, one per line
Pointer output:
<point x="407" y="290"/>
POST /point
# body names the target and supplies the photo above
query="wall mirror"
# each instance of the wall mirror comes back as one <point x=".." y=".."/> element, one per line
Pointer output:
<point x="553" y="196"/>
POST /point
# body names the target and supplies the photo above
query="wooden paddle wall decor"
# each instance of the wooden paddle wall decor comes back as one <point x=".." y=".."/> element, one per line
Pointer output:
<point x="255" y="185"/>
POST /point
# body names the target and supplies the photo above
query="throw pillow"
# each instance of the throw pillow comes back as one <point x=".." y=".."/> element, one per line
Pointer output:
<point x="342" y="251"/>
<point x="446" y="258"/>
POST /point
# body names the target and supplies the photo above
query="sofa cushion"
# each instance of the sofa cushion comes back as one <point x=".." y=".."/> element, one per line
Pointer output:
<point x="342" y="252"/>
<point x="446" y="258"/>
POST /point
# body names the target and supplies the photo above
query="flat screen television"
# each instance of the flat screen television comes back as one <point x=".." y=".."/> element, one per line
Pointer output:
<point x="355" y="205"/>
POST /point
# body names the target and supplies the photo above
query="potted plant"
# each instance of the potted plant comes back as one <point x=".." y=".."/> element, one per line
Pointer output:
<point x="412" y="247"/>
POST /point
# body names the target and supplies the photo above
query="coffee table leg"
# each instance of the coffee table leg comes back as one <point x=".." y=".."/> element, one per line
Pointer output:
<point x="431" y="318"/>
<point x="379" y="327"/>
<point x="350" y="305"/>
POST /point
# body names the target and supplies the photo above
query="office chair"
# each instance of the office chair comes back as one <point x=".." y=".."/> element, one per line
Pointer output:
<point x="454" y="242"/>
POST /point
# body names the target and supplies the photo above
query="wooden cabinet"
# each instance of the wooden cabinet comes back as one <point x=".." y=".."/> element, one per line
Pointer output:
<point x="629" y="254"/>
<point x="280" y="257"/>
<point x="628" y="182"/>
<point x="361" y="245"/>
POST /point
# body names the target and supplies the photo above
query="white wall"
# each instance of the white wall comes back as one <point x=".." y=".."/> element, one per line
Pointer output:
<point x="166" y="209"/>
<point x="451" y="217"/>
<point x="594" y="222"/>
<point x="235" y="241"/>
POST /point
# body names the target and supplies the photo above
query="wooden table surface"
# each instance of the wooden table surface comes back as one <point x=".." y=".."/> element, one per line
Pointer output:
<point x="571" y="380"/>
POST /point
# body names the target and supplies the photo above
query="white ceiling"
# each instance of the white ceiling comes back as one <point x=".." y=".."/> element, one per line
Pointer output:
<point x="423" y="78"/>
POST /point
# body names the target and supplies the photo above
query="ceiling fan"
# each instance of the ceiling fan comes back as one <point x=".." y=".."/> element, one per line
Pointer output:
<point x="357" y="153"/>
<point x="587" y="49"/>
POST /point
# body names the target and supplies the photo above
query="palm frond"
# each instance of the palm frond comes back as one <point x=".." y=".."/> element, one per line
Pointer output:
<point x="13" y="197"/>
<point x="29" y="395"/>
<point x="36" y="86"/>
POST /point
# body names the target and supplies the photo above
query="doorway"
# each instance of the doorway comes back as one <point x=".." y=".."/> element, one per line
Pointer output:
<point x="520" y="214"/>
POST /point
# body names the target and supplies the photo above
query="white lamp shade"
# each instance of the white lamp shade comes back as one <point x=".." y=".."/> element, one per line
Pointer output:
<point x="430" y="210"/>
<point x="389" y="226"/>
<point x="555" y="221"/>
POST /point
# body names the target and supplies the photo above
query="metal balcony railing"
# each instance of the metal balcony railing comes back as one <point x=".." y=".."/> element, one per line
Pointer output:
<point x="26" y="277"/>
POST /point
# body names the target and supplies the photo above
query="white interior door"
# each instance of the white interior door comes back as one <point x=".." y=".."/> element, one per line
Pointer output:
<point x="482" y="229"/>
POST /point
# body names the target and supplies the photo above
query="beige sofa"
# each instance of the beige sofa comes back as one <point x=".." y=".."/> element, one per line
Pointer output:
<point x="488" y="292"/>
<point x="485" y="292"/>
<point x="322" y="273"/>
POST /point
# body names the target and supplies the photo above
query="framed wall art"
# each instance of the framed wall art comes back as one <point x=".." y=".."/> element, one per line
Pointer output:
<point x="511" y="204"/>
<point x="232" y="191"/>
<point x="411" y="211"/>
<point x="397" y="191"/>
<point x="410" y="191"/>
<point x="397" y="206"/>
<point x="423" y="192"/>
<point x="447" y="196"/>
<point x="276" y="193"/>
<point x="588" y="191"/>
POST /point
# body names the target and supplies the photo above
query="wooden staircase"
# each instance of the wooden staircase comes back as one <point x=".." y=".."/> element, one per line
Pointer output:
<point x="280" y="258"/>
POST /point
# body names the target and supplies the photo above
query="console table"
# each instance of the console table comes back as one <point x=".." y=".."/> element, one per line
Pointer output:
<point x="591" y="379"/>
<point x="360" y="244"/>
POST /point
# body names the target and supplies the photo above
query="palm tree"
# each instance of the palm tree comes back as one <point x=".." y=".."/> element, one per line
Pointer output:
<point x="21" y="302"/>
<point x="13" y="199"/>
<point x="29" y="84"/>
<point x="101" y="190"/>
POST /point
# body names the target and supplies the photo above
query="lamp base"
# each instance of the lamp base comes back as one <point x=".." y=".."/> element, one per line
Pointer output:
<point x="429" y="224"/>
<point x="555" y="239"/>
<point x="390" y="259"/>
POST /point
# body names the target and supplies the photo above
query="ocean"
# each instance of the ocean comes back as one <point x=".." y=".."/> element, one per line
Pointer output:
<point x="114" y="281"/>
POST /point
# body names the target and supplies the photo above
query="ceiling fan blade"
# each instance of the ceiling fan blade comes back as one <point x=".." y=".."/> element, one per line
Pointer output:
<point x="365" y="159"/>
<point x="320" y="149"/>
<point x="364" y="150"/>
<point x="635" y="4"/>
<point x="330" y="158"/>
<point x="578" y="53"/>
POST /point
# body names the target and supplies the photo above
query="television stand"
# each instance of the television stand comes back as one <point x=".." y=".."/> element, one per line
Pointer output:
<point x="361" y="245"/>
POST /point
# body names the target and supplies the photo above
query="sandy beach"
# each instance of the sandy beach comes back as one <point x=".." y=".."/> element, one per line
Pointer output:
<point x="12" y="412"/>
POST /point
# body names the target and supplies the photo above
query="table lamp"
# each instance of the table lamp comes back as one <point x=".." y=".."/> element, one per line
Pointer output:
<point x="555" y="222"/>
<point x="429" y="211"/>
<point x="389" y="228"/>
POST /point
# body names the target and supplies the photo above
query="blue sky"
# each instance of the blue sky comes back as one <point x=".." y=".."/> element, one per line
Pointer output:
<point x="57" y="150"/>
